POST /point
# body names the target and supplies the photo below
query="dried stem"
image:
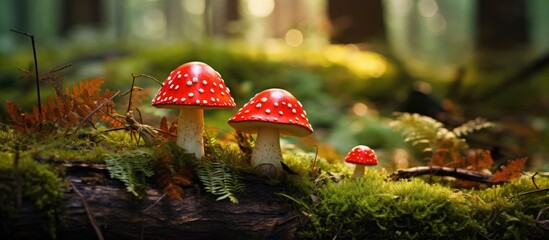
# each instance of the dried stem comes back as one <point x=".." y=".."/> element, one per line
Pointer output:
<point x="91" y="217"/>
<point x="35" y="70"/>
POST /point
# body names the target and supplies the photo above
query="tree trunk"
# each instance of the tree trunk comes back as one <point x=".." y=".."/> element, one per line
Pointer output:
<point x="261" y="214"/>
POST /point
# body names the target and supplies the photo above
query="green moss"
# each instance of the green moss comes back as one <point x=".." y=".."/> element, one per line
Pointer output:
<point x="39" y="183"/>
<point x="376" y="208"/>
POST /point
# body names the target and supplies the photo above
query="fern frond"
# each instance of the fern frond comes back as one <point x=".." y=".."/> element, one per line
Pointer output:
<point x="471" y="126"/>
<point x="512" y="170"/>
<point x="220" y="180"/>
<point x="418" y="130"/>
<point x="132" y="167"/>
<point x="65" y="111"/>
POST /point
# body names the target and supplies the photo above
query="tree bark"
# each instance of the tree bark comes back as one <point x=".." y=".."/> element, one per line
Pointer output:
<point x="261" y="214"/>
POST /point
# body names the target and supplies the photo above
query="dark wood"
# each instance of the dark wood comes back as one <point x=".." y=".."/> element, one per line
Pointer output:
<point x="459" y="173"/>
<point x="261" y="213"/>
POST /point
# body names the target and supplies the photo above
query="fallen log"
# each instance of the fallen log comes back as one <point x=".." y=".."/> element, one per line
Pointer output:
<point x="458" y="173"/>
<point x="261" y="213"/>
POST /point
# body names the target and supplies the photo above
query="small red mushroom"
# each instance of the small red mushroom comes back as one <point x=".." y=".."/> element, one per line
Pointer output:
<point x="361" y="156"/>
<point x="270" y="113"/>
<point x="193" y="87"/>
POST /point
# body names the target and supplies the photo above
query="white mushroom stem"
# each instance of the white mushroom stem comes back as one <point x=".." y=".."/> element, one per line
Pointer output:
<point x="358" y="172"/>
<point x="190" y="129"/>
<point x="266" y="156"/>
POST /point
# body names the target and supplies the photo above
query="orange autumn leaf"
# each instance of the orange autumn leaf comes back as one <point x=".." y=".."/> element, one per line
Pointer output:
<point x="512" y="170"/>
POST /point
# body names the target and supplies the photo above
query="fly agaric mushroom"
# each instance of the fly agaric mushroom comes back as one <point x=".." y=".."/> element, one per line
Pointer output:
<point x="361" y="156"/>
<point x="271" y="113"/>
<point x="193" y="87"/>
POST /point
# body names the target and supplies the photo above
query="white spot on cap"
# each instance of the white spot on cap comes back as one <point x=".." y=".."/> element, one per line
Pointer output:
<point x="267" y="111"/>
<point x="212" y="90"/>
<point x="258" y="105"/>
<point x="281" y="113"/>
<point x="289" y="105"/>
<point x="183" y="99"/>
<point x="293" y="110"/>
<point x="191" y="94"/>
<point x="175" y="99"/>
<point x="205" y="101"/>
<point x="171" y="86"/>
<point x="170" y="98"/>
<point x="186" y="75"/>
<point x="302" y="115"/>
<point x="212" y="99"/>
<point x="204" y="82"/>
<point x="189" y="83"/>
<point x="195" y="79"/>
<point x="247" y="111"/>
<point x="178" y="75"/>
<point x="176" y="87"/>
<point x="164" y="94"/>
<point x="275" y="104"/>
<point x="215" y="84"/>
<point x="169" y="77"/>
<point x="197" y="101"/>
<point x="275" y="119"/>
<point x="201" y="90"/>
<point x="264" y="99"/>
<point x="222" y="94"/>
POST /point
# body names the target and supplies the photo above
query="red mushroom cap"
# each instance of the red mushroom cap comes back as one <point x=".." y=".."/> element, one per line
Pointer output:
<point x="194" y="84"/>
<point x="273" y="108"/>
<point x="362" y="155"/>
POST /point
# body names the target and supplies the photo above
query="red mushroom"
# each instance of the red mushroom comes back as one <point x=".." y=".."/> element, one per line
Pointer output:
<point x="193" y="87"/>
<point x="270" y="113"/>
<point x="361" y="156"/>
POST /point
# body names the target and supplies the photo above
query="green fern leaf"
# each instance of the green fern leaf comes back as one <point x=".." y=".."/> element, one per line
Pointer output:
<point x="131" y="167"/>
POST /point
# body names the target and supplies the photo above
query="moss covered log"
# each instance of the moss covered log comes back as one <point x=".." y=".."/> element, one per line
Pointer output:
<point x="261" y="213"/>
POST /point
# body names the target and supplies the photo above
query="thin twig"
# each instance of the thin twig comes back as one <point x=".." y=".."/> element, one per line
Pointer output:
<point x="533" y="191"/>
<point x="35" y="71"/>
<point x="91" y="217"/>
<point x="104" y="103"/>
<point x="534" y="180"/>
<point x="18" y="182"/>
<point x="156" y="202"/>
<point x="149" y="77"/>
<point x="541" y="213"/>
<point x="143" y="214"/>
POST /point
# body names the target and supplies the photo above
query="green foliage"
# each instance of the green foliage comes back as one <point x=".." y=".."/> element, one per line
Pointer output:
<point x="215" y="171"/>
<point x="507" y="215"/>
<point x="444" y="147"/>
<point x="132" y="168"/>
<point x="374" y="207"/>
<point x="39" y="183"/>
<point x="220" y="180"/>
<point x="425" y="132"/>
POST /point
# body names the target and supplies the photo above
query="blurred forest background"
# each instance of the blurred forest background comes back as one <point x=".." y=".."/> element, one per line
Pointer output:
<point x="351" y="63"/>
